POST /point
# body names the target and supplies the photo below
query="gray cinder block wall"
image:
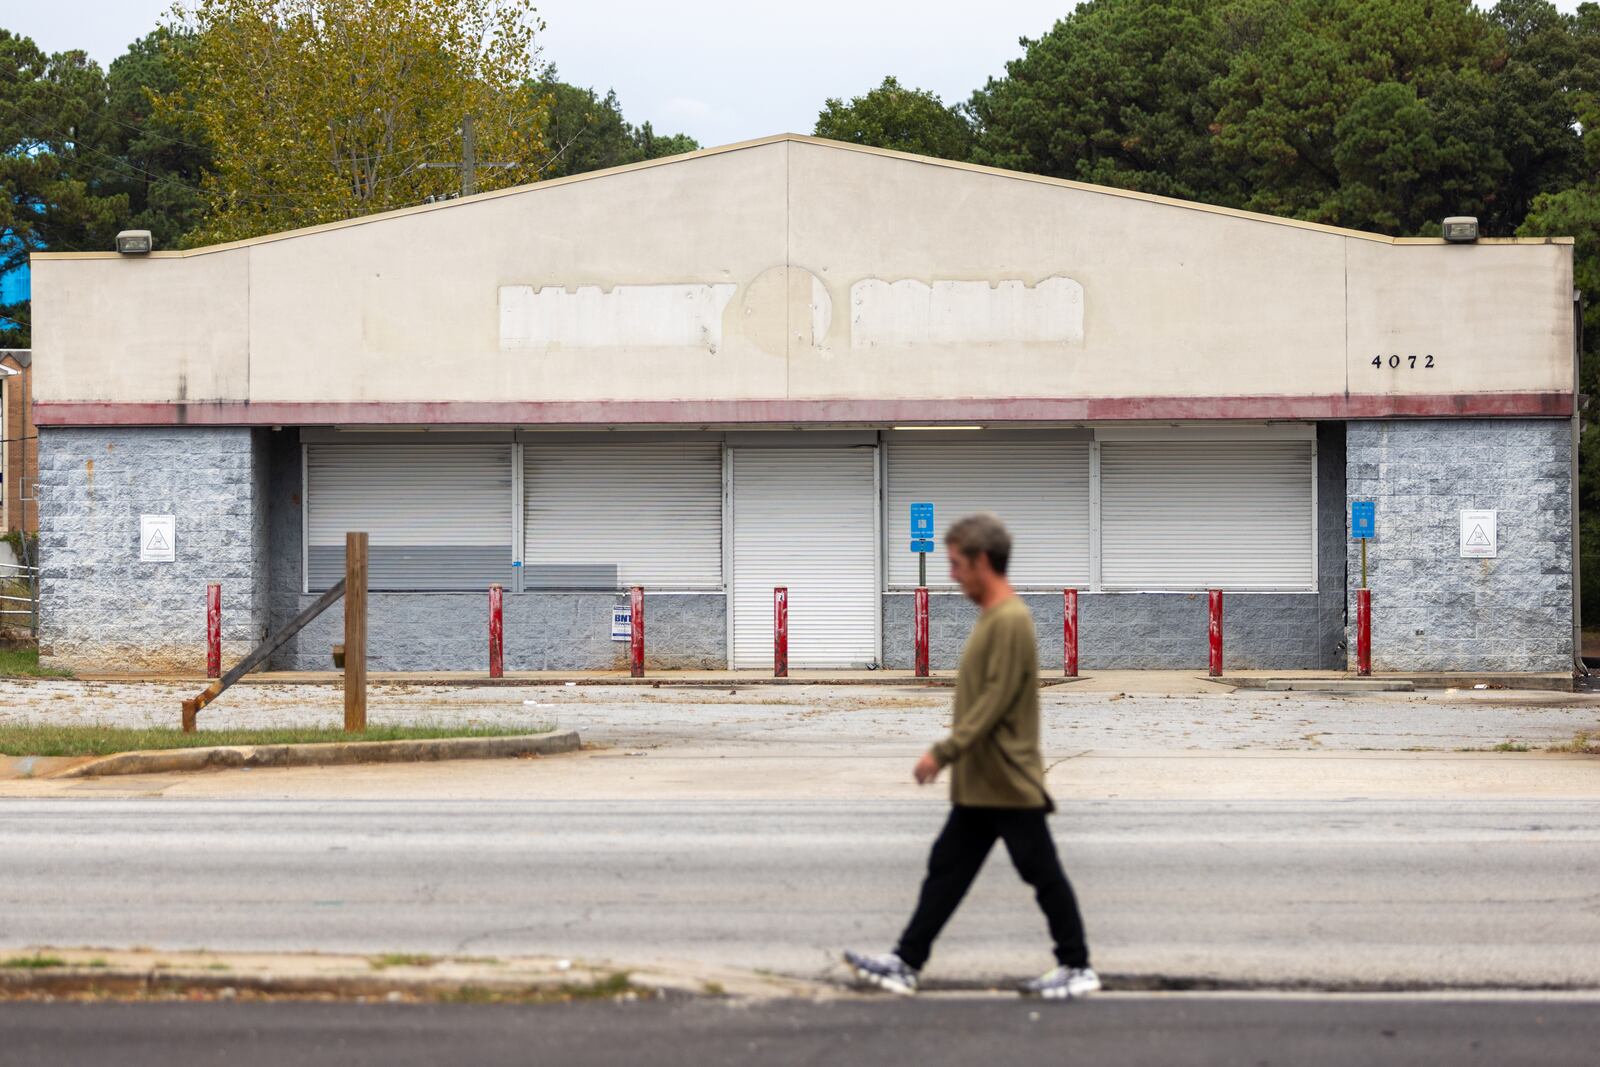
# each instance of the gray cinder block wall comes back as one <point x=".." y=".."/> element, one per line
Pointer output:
<point x="101" y="609"/>
<point x="1432" y="610"/>
<point x="1167" y="631"/>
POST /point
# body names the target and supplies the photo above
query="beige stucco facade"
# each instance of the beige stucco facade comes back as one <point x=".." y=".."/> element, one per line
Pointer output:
<point x="798" y="280"/>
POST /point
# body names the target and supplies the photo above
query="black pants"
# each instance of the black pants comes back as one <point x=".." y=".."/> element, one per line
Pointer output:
<point x="957" y="857"/>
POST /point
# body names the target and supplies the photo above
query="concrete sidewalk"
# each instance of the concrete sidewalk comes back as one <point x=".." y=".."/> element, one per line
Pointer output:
<point x="673" y="774"/>
<point x="389" y="977"/>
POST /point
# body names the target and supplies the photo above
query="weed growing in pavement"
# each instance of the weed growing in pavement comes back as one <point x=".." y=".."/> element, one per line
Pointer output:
<point x="616" y="986"/>
<point x="1582" y="742"/>
<point x="33" y="963"/>
<point x="401" y="959"/>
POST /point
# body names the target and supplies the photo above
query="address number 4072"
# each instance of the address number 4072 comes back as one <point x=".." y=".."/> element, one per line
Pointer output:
<point x="1409" y="362"/>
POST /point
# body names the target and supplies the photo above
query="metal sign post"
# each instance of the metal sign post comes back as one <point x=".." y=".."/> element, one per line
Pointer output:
<point x="922" y="538"/>
<point x="1363" y="527"/>
<point x="921" y="544"/>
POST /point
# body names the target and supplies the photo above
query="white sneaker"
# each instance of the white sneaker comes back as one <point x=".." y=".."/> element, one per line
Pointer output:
<point x="1063" y="983"/>
<point x="888" y="972"/>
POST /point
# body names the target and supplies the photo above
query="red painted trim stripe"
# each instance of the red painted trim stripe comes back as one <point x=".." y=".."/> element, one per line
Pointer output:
<point x="576" y="413"/>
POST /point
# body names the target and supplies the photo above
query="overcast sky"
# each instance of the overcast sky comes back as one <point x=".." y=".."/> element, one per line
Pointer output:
<point x="719" y="70"/>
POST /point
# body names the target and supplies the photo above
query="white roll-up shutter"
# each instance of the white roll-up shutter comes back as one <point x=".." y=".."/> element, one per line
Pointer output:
<point x="1039" y="489"/>
<point x="609" y="515"/>
<point x="437" y="516"/>
<point x="806" y="518"/>
<point x="1197" y="514"/>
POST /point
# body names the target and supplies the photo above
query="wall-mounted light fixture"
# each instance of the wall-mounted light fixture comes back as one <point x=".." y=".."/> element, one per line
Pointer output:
<point x="135" y="242"/>
<point x="1461" y="229"/>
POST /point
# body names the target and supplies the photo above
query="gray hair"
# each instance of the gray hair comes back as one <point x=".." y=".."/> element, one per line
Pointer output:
<point x="981" y="533"/>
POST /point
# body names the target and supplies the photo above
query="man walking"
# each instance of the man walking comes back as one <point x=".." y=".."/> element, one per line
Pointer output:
<point x="996" y="779"/>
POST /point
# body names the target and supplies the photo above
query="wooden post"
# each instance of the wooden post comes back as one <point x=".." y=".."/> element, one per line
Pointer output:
<point x="355" y="633"/>
<point x="260" y="654"/>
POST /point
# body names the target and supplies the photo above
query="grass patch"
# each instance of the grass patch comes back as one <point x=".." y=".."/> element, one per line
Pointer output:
<point x="48" y="739"/>
<point x="401" y="959"/>
<point x="24" y="663"/>
<point x="33" y="963"/>
<point x="1582" y="742"/>
<point x="1510" y="746"/>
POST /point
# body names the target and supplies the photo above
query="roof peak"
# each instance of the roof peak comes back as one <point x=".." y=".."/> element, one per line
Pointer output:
<point x="806" y="139"/>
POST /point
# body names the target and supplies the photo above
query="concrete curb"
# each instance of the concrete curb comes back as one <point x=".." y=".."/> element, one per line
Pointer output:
<point x="68" y="981"/>
<point x="1396" y="683"/>
<point x="335" y="754"/>
<point x="144" y="973"/>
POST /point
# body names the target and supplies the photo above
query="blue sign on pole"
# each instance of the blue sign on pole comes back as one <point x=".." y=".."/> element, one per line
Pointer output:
<point x="921" y="546"/>
<point x="1363" y="519"/>
<point x="922" y="522"/>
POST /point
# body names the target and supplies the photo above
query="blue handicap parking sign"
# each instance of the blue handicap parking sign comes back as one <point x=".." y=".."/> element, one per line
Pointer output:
<point x="921" y="521"/>
<point x="1363" y="519"/>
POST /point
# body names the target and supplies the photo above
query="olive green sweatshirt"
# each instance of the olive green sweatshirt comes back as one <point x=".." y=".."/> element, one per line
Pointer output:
<point x="993" y="747"/>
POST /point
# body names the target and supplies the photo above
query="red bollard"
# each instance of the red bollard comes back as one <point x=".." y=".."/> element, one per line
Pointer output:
<point x="214" y="630"/>
<point x="1363" y="631"/>
<point x="1214" y="631"/>
<point x="1070" y="634"/>
<point x="780" y="632"/>
<point x="636" y="631"/>
<point x="497" y="632"/>
<point x="922" y="632"/>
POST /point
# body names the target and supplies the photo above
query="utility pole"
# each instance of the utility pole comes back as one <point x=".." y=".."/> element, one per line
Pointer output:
<point x="469" y="161"/>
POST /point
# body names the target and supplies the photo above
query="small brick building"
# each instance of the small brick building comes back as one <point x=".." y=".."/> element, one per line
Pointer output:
<point x="19" y="447"/>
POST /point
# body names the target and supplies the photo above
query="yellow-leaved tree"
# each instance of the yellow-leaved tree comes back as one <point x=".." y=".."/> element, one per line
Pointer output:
<point x="321" y="110"/>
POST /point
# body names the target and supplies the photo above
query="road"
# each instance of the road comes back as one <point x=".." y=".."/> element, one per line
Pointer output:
<point x="934" y="1032"/>
<point x="1355" y="893"/>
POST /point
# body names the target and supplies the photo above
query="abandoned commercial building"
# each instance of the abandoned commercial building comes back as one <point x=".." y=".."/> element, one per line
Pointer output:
<point x="733" y="370"/>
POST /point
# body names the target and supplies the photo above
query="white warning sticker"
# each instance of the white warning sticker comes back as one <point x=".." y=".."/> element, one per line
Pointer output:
<point x="158" y="540"/>
<point x="1479" y="537"/>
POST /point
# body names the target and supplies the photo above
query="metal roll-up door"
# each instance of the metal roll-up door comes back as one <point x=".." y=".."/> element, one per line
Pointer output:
<point x="806" y="518"/>
<point x="1199" y="514"/>
<point x="605" y="516"/>
<point x="437" y="516"/>
<point x="1039" y="489"/>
